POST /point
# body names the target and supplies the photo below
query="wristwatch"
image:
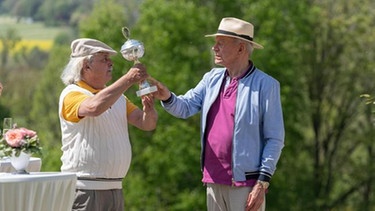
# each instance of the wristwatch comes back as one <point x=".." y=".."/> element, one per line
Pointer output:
<point x="264" y="184"/>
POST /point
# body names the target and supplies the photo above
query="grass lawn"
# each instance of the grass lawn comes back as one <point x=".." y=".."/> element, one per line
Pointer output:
<point x="27" y="29"/>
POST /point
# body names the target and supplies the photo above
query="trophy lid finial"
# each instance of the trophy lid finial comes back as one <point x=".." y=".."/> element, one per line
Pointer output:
<point x="126" y="32"/>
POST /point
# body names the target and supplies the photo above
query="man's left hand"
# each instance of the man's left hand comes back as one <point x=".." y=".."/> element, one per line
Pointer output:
<point x="255" y="198"/>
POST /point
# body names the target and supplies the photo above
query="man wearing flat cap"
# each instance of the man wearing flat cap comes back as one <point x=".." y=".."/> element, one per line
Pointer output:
<point x="94" y="122"/>
<point x="242" y="129"/>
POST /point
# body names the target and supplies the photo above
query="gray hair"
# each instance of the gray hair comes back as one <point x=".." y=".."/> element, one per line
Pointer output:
<point x="72" y="71"/>
<point x="249" y="47"/>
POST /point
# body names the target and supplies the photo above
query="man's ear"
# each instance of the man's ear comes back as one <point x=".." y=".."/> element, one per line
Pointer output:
<point x="241" y="48"/>
<point x="86" y="65"/>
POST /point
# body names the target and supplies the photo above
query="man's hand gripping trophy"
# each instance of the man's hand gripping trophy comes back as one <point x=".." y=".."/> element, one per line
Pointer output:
<point x="132" y="50"/>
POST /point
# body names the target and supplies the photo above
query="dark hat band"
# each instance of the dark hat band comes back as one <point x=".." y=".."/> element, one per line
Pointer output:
<point x="234" y="34"/>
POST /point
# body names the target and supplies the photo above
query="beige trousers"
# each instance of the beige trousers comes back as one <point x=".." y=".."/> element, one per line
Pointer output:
<point x="98" y="200"/>
<point x="228" y="198"/>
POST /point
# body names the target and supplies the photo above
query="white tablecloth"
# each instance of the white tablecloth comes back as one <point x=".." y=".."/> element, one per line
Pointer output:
<point x="34" y="165"/>
<point x="37" y="191"/>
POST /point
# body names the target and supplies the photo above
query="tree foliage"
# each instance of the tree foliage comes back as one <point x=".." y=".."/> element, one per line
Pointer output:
<point x="320" y="51"/>
<point x="176" y="54"/>
<point x="314" y="49"/>
<point x="8" y="43"/>
<point x="44" y="113"/>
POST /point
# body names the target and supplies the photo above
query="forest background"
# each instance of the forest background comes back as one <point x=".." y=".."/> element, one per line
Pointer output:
<point x="321" y="51"/>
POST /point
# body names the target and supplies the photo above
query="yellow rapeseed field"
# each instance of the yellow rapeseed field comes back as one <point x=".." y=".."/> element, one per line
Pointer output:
<point x="44" y="45"/>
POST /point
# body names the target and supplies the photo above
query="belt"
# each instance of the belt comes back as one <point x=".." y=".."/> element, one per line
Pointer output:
<point x="99" y="179"/>
<point x="87" y="183"/>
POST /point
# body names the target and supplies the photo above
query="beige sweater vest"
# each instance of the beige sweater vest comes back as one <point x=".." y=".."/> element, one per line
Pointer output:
<point x="96" y="147"/>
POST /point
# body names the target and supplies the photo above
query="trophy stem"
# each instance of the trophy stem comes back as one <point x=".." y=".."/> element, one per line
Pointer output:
<point x="144" y="84"/>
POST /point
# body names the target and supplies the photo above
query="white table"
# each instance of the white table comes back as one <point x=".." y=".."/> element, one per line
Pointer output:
<point x="37" y="191"/>
<point x="34" y="165"/>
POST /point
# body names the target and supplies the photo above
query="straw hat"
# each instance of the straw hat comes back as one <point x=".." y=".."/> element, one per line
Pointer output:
<point x="86" y="46"/>
<point x="237" y="28"/>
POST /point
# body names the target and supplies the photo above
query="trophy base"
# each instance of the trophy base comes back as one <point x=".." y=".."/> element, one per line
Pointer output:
<point x="146" y="91"/>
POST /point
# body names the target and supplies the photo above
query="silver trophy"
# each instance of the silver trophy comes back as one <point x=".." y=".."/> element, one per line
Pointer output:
<point x="132" y="50"/>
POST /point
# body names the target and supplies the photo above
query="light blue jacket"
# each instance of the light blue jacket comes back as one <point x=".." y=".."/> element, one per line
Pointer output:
<point x="258" y="129"/>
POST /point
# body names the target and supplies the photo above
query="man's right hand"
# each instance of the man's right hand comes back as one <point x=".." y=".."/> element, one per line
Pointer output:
<point x="163" y="92"/>
<point x="137" y="73"/>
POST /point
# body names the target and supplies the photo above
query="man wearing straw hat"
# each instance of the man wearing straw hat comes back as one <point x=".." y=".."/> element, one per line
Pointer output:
<point x="242" y="129"/>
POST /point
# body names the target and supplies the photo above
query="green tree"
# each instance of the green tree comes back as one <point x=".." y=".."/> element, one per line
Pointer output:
<point x="44" y="113"/>
<point x="166" y="166"/>
<point x="320" y="51"/>
<point x="54" y="12"/>
<point x="26" y="8"/>
<point x="317" y="50"/>
<point x="105" y="24"/>
<point x="8" y="42"/>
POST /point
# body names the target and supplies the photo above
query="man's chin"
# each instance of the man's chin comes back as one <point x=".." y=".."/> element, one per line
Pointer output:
<point x="218" y="62"/>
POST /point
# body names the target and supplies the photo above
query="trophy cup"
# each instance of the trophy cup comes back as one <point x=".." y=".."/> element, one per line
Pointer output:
<point x="132" y="50"/>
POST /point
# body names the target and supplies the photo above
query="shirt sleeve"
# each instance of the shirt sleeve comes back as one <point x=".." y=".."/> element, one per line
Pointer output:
<point x="130" y="106"/>
<point x="71" y="103"/>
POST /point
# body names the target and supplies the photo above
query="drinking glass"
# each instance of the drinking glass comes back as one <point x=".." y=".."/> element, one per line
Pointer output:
<point x="7" y="124"/>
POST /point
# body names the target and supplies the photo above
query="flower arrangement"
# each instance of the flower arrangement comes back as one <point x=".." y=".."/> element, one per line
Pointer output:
<point x="19" y="140"/>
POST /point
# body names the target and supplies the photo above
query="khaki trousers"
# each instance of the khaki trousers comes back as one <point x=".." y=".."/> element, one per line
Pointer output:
<point x="228" y="198"/>
<point x="98" y="200"/>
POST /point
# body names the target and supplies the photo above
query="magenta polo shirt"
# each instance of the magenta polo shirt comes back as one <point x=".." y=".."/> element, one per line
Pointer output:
<point x="219" y="135"/>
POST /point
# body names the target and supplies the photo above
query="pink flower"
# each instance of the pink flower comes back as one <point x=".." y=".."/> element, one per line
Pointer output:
<point x="27" y="132"/>
<point x="19" y="140"/>
<point x="14" y="137"/>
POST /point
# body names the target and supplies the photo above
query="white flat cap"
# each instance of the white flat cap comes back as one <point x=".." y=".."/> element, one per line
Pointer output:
<point x="86" y="46"/>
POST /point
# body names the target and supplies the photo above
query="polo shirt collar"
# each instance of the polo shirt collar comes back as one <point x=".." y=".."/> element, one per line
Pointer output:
<point x="84" y="85"/>
<point x="246" y="73"/>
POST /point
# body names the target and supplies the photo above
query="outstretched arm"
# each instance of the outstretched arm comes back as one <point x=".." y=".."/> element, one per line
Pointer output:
<point x="147" y="118"/>
<point x="163" y="92"/>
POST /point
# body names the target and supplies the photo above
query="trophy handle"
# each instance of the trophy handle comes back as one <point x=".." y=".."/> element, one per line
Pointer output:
<point x="126" y="32"/>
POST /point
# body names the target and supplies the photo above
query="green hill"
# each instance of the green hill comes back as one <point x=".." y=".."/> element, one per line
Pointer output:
<point x="27" y="29"/>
